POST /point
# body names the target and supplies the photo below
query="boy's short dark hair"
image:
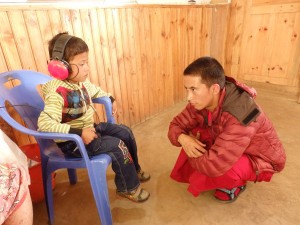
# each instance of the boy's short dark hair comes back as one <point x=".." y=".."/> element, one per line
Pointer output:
<point x="74" y="47"/>
<point x="209" y="69"/>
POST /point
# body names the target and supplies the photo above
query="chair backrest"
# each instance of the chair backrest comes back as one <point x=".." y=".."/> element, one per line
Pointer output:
<point x="23" y="95"/>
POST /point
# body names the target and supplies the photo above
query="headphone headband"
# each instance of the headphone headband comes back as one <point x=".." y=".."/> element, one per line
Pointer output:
<point x="60" y="45"/>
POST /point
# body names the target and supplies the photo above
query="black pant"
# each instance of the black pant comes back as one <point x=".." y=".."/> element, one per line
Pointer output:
<point x="119" y="143"/>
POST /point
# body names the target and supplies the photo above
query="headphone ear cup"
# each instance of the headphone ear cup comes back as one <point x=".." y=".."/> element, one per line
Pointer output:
<point x="59" y="69"/>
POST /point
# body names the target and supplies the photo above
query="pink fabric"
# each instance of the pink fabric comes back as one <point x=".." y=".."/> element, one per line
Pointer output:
<point x="238" y="175"/>
<point x="13" y="189"/>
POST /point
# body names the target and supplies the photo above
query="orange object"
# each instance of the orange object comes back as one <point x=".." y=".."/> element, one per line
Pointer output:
<point x="36" y="188"/>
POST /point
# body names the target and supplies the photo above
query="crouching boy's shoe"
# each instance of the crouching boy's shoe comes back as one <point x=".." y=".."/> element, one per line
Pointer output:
<point x="227" y="196"/>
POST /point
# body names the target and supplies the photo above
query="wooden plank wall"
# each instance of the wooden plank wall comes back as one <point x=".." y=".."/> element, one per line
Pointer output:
<point x="136" y="53"/>
<point x="264" y="42"/>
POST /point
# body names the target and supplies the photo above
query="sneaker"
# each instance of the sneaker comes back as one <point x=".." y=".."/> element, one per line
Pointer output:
<point x="227" y="196"/>
<point x="137" y="195"/>
<point x="143" y="176"/>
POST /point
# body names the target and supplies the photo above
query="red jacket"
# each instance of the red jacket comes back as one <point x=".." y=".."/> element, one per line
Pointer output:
<point x="237" y="126"/>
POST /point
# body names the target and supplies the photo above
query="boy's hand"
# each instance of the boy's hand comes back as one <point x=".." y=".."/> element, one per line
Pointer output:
<point x="114" y="108"/>
<point x="192" y="147"/>
<point x="88" y="135"/>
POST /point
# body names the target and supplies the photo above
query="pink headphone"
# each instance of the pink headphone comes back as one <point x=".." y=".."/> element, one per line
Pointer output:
<point x="58" y="67"/>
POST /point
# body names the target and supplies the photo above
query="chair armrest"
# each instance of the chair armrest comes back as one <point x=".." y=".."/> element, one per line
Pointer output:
<point x="108" y="107"/>
<point x="45" y="135"/>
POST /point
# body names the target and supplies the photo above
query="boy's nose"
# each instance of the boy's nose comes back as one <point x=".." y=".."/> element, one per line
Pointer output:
<point x="189" y="96"/>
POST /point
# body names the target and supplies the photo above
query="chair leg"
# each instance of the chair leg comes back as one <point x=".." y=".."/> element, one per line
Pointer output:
<point x="99" y="187"/>
<point x="49" y="196"/>
<point x="72" y="176"/>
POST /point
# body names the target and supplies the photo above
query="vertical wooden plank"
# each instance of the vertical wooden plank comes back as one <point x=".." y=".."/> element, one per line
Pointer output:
<point x="245" y="35"/>
<point x="190" y="35"/>
<point x="36" y="42"/>
<point x="140" y="33"/>
<point x="3" y="64"/>
<point x="105" y="50"/>
<point x="22" y="39"/>
<point x="145" y="19"/>
<point x="111" y="32"/>
<point x="219" y="32"/>
<point x="8" y="45"/>
<point x="184" y="62"/>
<point x="236" y="25"/>
<point x="133" y="74"/>
<point x="206" y="31"/>
<point x="86" y="32"/>
<point x="55" y="21"/>
<point x="176" y="70"/>
<point x="123" y="98"/>
<point x="141" y="78"/>
<point x="66" y="21"/>
<point x="97" y="48"/>
<point x="128" y="67"/>
<point x="293" y="71"/>
<point x="100" y="77"/>
<point x="198" y="21"/>
<point x="167" y="58"/>
<point x="157" y="85"/>
<point x="84" y="27"/>
<point x="76" y="23"/>
<point x="45" y="29"/>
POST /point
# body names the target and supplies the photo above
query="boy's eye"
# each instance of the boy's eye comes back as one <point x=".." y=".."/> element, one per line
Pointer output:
<point x="83" y="63"/>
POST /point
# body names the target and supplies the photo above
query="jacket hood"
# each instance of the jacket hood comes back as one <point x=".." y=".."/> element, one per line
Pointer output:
<point x="239" y="101"/>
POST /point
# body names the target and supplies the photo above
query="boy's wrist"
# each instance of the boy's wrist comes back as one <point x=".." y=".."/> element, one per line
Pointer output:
<point x="75" y="131"/>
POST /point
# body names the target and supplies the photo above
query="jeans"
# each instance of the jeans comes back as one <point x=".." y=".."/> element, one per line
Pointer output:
<point x="119" y="143"/>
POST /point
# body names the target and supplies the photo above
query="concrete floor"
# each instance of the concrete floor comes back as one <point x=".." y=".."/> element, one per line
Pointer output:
<point x="274" y="203"/>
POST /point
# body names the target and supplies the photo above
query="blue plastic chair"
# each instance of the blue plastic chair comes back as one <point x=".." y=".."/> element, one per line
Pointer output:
<point x="26" y="100"/>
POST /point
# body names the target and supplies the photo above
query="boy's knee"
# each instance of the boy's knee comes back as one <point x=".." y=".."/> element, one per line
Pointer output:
<point x="127" y="130"/>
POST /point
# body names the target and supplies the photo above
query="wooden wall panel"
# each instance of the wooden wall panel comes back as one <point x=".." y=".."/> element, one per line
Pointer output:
<point x="39" y="52"/>
<point x="264" y="2"/>
<point x="8" y="45"/>
<point x="270" y="45"/>
<point x="263" y="42"/>
<point x="45" y="29"/>
<point x="136" y="53"/>
<point x="148" y="56"/>
<point x="123" y="108"/>
<point x="140" y="34"/>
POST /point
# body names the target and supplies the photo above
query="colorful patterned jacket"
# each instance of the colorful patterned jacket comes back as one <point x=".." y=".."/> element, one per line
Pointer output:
<point x="68" y="107"/>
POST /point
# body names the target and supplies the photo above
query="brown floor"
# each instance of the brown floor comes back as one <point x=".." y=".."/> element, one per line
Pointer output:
<point x="274" y="203"/>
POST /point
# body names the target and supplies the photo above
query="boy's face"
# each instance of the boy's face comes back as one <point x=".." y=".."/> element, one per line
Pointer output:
<point x="80" y="68"/>
<point x="199" y="95"/>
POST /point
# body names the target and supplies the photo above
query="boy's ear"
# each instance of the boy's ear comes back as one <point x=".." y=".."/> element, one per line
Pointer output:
<point x="58" y="67"/>
<point x="216" y="88"/>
